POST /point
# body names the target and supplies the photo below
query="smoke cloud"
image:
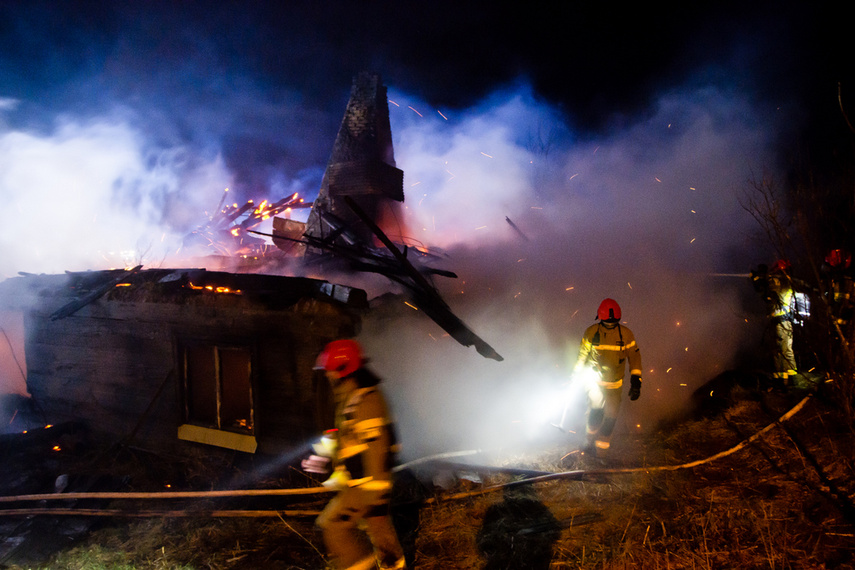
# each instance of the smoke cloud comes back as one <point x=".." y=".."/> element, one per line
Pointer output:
<point x="642" y="212"/>
<point x="645" y="213"/>
<point x="97" y="194"/>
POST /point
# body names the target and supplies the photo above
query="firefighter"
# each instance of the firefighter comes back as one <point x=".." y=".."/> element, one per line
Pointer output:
<point x="776" y="287"/>
<point x="360" y="451"/>
<point x="839" y="287"/>
<point x="605" y="350"/>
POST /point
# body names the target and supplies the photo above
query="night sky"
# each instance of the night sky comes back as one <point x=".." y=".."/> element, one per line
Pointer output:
<point x="264" y="82"/>
<point x="619" y="139"/>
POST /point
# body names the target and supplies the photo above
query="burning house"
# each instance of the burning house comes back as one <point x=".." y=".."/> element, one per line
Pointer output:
<point x="186" y="354"/>
<point x="226" y="358"/>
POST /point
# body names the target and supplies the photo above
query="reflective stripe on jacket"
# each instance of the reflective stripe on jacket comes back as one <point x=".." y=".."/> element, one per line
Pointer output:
<point x="607" y="350"/>
<point x="366" y="439"/>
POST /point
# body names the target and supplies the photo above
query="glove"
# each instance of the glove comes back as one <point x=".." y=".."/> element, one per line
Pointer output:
<point x="338" y="480"/>
<point x="634" y="387"/>
<point x="327" y="445"/>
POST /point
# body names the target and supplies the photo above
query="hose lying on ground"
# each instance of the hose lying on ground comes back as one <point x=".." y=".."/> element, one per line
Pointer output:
<point x="581" y="473"/>
<point x="572" y="475"/>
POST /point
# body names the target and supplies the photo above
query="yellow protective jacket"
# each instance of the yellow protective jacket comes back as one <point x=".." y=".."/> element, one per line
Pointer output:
<point x="365" y="445"/>
<point x="606" y="349"/>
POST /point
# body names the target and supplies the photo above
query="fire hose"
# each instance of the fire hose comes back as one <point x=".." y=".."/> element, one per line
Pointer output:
<point x="575" y="475"/>
<point x="189" y="495"/>
<point x="579" y="474"/>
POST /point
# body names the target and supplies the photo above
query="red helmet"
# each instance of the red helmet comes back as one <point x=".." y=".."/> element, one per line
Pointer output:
<point x="609" y="310"/>
<point x="838" y="258"/>
<point x="342" y="356"/>
<point x="781" y="266"/>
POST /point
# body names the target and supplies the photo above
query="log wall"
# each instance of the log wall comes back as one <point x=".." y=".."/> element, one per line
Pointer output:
<point x="107" y="363"/>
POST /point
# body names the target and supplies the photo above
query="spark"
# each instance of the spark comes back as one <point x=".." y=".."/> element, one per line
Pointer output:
<point x="392" y="102"/>
<point x="414" y="111"/>
<point x="411" y="306"/>
<point x="415" y="183"/>
<point x="574" y="176"/>
<point x="678" y="323"/>
<point x="693" y="240"/>
<point x="569" y="288"/>
<point x="441" y="115"/>
<point x="536" y="208"/>
<point x="684" y="385"/>
<point x="520" y="260"/>
<point x="481" y="228"/>
<point x="629" y="284"/>
<point x="657" y="180"/>
<point x="692" y="211"/>
<point x="667" y="371"/>
<point x="487" y="155"/>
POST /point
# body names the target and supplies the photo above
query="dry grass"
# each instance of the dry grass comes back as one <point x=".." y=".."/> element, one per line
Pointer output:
<point x="765" y="506"/>
<point x="784" y="502"/>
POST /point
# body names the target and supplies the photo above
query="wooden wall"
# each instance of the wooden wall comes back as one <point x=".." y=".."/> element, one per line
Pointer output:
<point x="107" y="363"/>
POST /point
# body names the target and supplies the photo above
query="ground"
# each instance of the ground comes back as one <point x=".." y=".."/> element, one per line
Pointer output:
<point x="782" y="500"/>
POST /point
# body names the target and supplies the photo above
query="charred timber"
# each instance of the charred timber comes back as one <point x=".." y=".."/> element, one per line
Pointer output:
<point x="74" y="306"/>
<point x="426" y="296"/>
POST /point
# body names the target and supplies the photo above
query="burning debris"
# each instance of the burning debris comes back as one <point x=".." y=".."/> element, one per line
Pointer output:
<point x="225" y="232"/>
<point x="353" y="225"/>
<point x="354" y="219"/>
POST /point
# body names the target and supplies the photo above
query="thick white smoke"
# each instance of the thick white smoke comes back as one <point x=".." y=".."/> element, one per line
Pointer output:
<point x="97" y="194"/>
<point x="644" y="213"/>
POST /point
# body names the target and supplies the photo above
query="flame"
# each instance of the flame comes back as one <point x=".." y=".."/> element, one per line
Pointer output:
<point x="214" y="289"/>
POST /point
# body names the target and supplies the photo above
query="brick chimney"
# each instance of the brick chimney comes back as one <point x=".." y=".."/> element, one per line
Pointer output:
<point x="362" y="163"/>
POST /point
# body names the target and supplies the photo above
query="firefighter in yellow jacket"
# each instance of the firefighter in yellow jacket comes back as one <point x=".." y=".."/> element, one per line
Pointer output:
<point x="785" y="307"/>
<point x="605" y="349"/>
<point x="361" y="450"/>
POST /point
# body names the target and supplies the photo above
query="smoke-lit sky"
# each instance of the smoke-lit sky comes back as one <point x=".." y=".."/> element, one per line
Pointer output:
<point x="618" y="140"/>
